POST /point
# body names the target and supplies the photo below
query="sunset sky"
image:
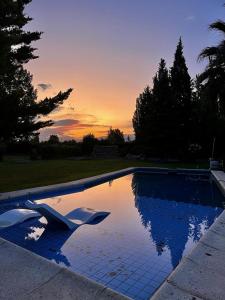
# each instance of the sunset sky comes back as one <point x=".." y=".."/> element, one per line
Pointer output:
<point x="108" y="51"/>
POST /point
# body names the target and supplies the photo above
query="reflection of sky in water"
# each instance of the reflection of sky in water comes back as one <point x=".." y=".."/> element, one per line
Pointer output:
<point x="154" y="221"/>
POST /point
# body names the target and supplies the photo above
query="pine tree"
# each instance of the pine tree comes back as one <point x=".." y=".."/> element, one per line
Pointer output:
<point x="15" y="42"/>
<point x="19" y="111"/>
<point x="182" y="95"/>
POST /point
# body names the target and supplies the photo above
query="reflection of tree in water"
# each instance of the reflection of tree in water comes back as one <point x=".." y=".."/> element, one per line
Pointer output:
<point x="39" y="238"/>
<point x="171" y="208"/>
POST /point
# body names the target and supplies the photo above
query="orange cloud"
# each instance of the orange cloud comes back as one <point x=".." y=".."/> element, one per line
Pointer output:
<point x="75" y="126"/>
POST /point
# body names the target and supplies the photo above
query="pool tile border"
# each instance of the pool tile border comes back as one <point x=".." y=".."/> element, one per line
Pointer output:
<point x="80" y="184"/>
<point x="199" y="276"/>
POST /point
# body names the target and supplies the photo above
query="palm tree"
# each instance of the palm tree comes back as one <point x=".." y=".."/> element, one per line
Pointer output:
<point x="213" y="89"/>
<point x="213" y="76"/>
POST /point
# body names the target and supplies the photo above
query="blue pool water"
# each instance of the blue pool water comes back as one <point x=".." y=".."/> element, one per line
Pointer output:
<point x="154" y="221"/>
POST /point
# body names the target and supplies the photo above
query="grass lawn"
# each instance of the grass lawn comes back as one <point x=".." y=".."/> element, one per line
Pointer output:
<point x="19" y="173"/>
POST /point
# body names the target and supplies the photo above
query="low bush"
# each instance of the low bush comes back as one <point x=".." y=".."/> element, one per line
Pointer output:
<point x="145" y="151"/>
<point x="19" y="148"/>
<point x="2" y="151"/>
<point x="48" y="151"/>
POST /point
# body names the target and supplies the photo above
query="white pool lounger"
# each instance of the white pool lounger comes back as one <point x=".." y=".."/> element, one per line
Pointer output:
<point x="72" y="220"/>
<point x="17" y="216"/>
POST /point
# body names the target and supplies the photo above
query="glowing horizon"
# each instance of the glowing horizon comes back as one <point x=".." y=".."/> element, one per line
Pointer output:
<point x="108" y="51"/>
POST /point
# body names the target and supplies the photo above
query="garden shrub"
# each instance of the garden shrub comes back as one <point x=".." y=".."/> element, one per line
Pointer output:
<point x="48" y="151"/>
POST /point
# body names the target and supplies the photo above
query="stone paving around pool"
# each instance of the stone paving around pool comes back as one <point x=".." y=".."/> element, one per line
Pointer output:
<point x="27" y="276"/>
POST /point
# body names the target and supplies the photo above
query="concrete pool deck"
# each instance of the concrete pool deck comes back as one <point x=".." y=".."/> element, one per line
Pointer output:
<point x="200" y="275"/>
<point x="27" y="276"/>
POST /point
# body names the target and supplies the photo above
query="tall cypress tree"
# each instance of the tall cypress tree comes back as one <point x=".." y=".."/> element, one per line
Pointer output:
<point x="142" y="117"/>
<point x="153" y="119"/>
<point x="164" y="120"/>
<point x="163" y="116"/>
<point x="19" y="110"/>
<point x="182" y="95"/>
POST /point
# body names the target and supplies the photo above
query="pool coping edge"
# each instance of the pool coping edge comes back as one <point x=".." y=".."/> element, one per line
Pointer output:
<point x="94" y="180"/>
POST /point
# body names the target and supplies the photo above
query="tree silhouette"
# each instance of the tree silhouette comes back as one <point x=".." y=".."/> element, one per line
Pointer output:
<point x="15" y="43"/>
<point x="142" y="116"/>
<point x="115" y="137"/>
<point x="20" y="111"/>
<point x="88" y="143"/>
<point x="53" y="139"/>
<point x="163" y="120"/>
<point x="213" y="91"/>
<point x="214" y="74"/>
<point x="182" y="94"/>
<point x="154" y="119"/>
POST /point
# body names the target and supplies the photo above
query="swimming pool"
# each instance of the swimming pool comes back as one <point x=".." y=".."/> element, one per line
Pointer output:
<point x="155" y="219"/>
